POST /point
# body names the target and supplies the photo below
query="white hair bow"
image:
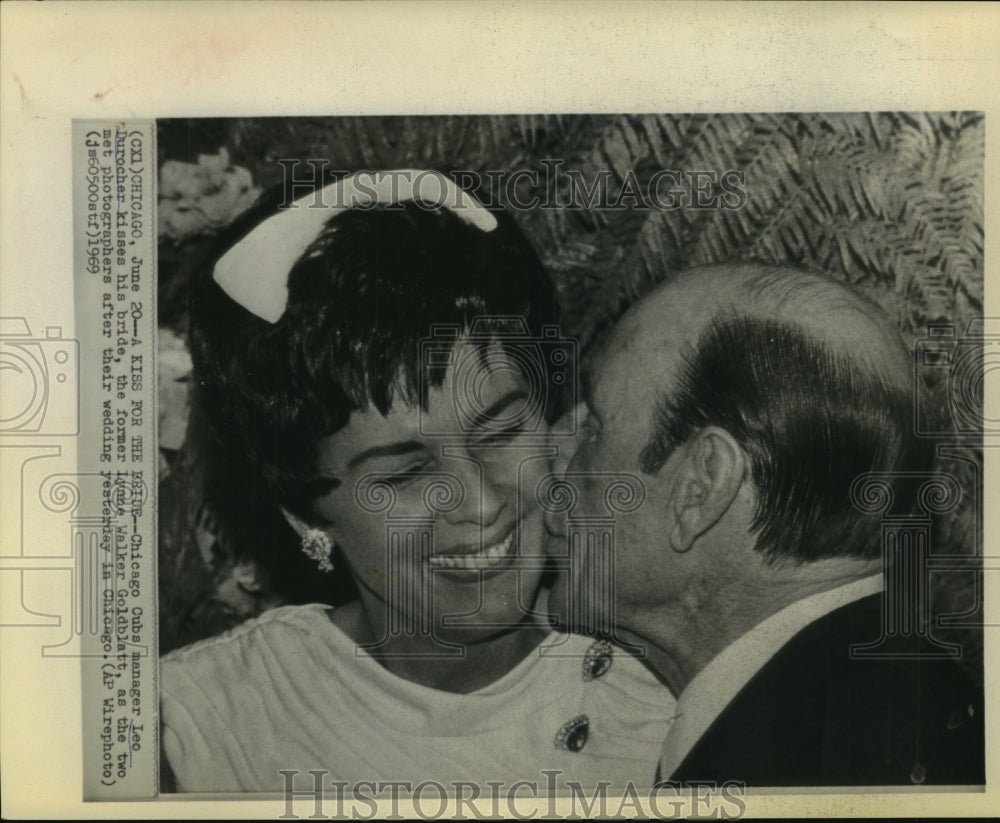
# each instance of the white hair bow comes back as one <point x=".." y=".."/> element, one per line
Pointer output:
<point x="255" y="271"/>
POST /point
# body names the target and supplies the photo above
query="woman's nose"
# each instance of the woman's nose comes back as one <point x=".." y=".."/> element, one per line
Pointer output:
<point x="485" y="496"/>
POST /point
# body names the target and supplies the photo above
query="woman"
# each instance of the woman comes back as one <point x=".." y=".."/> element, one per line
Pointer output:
<point x="376" y="354"/>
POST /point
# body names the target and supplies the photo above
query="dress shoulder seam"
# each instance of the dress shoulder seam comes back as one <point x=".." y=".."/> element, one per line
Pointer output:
<point x="234" y="634"/>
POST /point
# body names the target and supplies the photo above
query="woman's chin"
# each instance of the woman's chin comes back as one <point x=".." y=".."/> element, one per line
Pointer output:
<point x="490" y="605"/>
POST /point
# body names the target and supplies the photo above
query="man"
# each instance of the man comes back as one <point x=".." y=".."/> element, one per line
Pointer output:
<point x="748" y="400"/>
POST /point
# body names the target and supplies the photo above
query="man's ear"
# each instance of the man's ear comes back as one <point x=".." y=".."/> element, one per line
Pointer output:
<point x="711" y="472"/>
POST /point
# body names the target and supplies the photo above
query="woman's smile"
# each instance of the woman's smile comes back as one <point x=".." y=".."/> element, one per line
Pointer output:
<point x="491" y="557"/>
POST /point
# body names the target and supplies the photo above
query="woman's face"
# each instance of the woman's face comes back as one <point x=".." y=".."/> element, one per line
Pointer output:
<point x="435" y="508"/>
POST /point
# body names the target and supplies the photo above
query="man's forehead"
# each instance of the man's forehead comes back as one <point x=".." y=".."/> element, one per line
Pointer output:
<point x="629" y="367"/>
<point x="641" y="356"/>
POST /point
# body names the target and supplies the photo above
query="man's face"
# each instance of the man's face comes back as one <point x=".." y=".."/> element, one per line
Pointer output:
<point x="621" y="389"/>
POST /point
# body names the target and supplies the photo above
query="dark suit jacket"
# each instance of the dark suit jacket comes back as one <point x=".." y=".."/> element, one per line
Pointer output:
<point x="815" y="717"/>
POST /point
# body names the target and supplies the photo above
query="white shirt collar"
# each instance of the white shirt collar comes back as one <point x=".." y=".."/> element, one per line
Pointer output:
<point x="712" y="689"/>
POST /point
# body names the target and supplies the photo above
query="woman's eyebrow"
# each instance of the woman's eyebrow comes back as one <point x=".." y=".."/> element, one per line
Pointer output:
<point x="387" y="450"/>
<point x="410" y="446"/>
<point x="324" y="485"/>
<point x="498" y="405"/>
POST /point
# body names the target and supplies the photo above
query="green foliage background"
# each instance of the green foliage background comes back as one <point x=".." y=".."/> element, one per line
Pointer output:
<point x="891" y="202"/>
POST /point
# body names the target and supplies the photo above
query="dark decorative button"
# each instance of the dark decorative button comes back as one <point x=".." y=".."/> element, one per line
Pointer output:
<point x="597" y="660"/>
<point x="573" y="735"/>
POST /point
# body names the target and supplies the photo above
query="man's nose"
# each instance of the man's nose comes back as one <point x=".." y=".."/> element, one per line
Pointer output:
<point x="566" y="434"/>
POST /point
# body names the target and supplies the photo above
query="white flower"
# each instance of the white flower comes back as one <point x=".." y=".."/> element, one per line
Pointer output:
<point x="203" y="197"/>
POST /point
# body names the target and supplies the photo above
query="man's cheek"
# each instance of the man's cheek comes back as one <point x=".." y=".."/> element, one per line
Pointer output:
<point x="566" y="434"/>
<point x="555" y="533"/>
<point x="554" y="540"/>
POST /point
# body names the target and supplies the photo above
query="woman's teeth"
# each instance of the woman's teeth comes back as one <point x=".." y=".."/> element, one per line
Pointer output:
<point x="490" y="556"/>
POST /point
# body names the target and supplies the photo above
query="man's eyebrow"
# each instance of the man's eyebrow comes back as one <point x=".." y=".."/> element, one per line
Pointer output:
<point x="387" y="450"/>
<point x="498" y="405"/>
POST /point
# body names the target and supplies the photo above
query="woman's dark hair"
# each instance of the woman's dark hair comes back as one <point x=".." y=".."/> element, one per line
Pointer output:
<point x="360" y="301"/>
